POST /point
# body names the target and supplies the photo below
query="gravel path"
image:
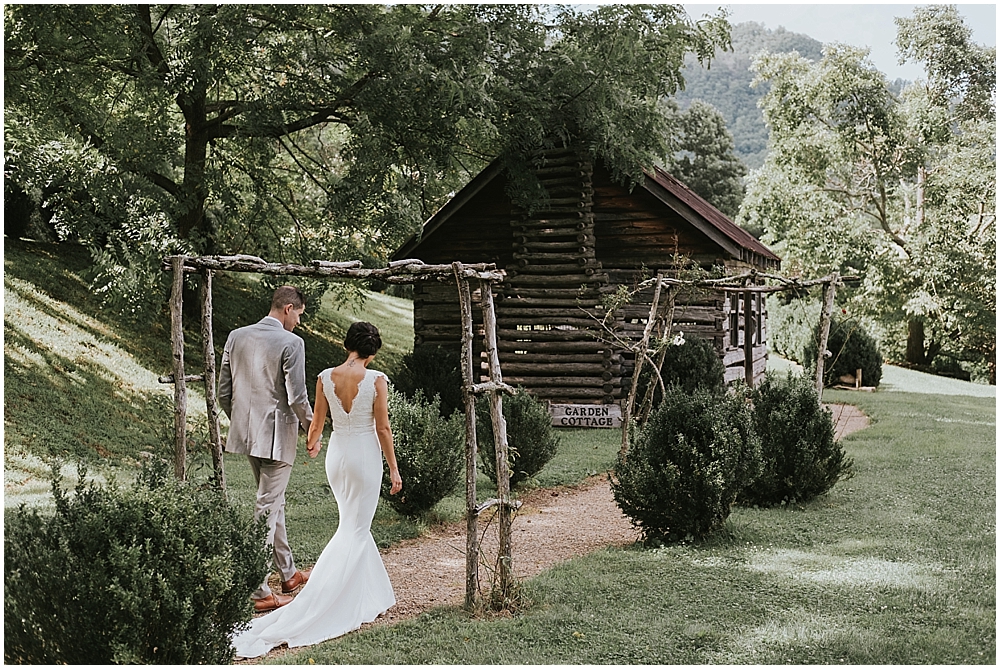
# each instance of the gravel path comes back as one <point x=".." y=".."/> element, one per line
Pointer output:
<point x="552" y="525"/>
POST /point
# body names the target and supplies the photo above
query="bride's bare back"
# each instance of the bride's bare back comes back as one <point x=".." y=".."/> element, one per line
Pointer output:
<point x="347" y="380"/>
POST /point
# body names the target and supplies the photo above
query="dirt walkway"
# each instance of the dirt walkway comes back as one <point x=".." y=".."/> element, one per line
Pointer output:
<point x="553" y="525"/>
<point x="847" y="418"/>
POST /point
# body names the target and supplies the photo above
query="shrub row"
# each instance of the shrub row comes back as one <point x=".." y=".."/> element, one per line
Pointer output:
<point x="701" y="452"/>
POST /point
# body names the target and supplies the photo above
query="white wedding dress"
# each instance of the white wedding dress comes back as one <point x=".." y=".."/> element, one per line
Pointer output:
<point x="349" y="585"/>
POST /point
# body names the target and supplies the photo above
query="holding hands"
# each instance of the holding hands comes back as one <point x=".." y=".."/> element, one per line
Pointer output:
<point x="313" y="448"/>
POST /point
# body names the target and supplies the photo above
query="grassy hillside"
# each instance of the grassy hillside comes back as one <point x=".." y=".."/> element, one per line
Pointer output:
<point x="80" y="381"/>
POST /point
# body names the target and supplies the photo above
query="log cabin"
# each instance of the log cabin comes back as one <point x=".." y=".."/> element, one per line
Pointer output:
<point x="588" y="237"/>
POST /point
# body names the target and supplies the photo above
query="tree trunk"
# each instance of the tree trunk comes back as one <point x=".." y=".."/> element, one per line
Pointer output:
<point x="933" y="348"/>
<point x="194" y="191"/>
<point x="915" y="342"/>
<point x="193" y="203"/>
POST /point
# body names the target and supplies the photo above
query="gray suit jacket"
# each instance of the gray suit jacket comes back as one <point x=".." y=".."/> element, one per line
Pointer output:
<point x="262" y="388"/>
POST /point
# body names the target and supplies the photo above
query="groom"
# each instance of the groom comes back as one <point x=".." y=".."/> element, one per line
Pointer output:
<point x="262" y="388"/>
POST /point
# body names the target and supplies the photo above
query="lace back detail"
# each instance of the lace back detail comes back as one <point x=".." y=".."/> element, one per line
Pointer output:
<point x="362" y="414"/>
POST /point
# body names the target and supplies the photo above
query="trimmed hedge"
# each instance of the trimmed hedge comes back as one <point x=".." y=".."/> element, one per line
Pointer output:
<point x="851" y="348"/>
<point x="800" y="459"/>
<point x="430" y="453"/>
<point x="160" y="573"/>
<point x="688" y="464"/>
<point x="531" y="439"/>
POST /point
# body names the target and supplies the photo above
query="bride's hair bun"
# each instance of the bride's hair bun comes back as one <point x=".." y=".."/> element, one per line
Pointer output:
<point x="363" y="338"/>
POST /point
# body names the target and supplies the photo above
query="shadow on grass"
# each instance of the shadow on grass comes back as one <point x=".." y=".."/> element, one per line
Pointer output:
<point x="57" y="406"/>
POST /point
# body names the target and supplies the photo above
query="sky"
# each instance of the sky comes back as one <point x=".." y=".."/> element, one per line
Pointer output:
<point x="858" y="24"/>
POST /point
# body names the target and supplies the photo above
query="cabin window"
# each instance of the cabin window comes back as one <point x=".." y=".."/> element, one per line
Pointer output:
<point x="734" y="319"/>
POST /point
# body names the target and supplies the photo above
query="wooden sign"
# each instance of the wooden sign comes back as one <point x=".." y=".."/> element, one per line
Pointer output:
<point x="586" y="415"/>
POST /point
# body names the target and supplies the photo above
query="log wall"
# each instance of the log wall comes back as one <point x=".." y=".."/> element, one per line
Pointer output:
<point x="547" y="306"/>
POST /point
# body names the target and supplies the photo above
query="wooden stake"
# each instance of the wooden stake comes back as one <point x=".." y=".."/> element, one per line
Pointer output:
<point x="504" y="558"/>
<point x="829" y="293"/>
<point x="180" y="387"/>
<point x="211" y="404"/>
<point x="471" y="513"/>
<point x="640" y="358"/>
<point x="748" y="330"/>
<point x="668" y="325"/>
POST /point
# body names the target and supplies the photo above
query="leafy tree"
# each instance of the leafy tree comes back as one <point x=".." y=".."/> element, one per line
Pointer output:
<point x="899" y="189"/>
<point x="301" y="131"/>
<point x="706" y="159"/>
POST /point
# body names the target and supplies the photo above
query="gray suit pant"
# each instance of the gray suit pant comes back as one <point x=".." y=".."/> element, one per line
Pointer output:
<point x="272" y="479"/>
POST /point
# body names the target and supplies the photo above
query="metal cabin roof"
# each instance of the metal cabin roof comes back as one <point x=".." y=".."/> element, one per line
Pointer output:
<point x="688" y="204"/>
<point x="746" y="245"/>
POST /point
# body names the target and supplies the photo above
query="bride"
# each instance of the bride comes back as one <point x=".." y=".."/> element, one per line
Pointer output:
<point x="348" y="585"/>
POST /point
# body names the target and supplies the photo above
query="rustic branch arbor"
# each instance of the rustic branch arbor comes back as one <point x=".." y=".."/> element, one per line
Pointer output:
<point x="746" y="285"/>
<point x="405" y="271"/>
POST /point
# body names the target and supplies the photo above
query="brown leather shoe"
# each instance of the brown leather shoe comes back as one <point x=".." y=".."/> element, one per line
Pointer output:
<point x="271" y="602"/>
<point x="297" y="579"/>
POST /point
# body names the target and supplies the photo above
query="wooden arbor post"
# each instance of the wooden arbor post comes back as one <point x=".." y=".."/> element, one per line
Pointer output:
<point x="748" y="332"/>
<point x="640" y="358"/>
<point x="471" y="513"/>
<point x="179" y="379"/>
<point x="180" y="385"/>
<point x="505" y="572"/>
<point x="829" y="293"/>
<point x="505" y="576"/>
<point x="211" y="404"/>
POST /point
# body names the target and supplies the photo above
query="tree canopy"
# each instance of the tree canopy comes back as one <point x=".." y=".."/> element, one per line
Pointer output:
<point x="302" y="131"/>
<point x="705" y="158"/>
<point x="900" y="189"/>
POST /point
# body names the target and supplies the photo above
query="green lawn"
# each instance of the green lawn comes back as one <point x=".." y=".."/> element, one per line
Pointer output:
<point x="894" y="566"/>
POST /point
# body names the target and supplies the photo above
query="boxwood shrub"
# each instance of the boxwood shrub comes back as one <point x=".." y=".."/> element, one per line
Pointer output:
<point x="690" y="363"/>
<point x="531" y="439"/>
<point x="851" y="348"/>
<point x="688" y="464"/>
<point x="430" y="453"/>
<point x="799" y="456"/>
<point x="159" y="573"/>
